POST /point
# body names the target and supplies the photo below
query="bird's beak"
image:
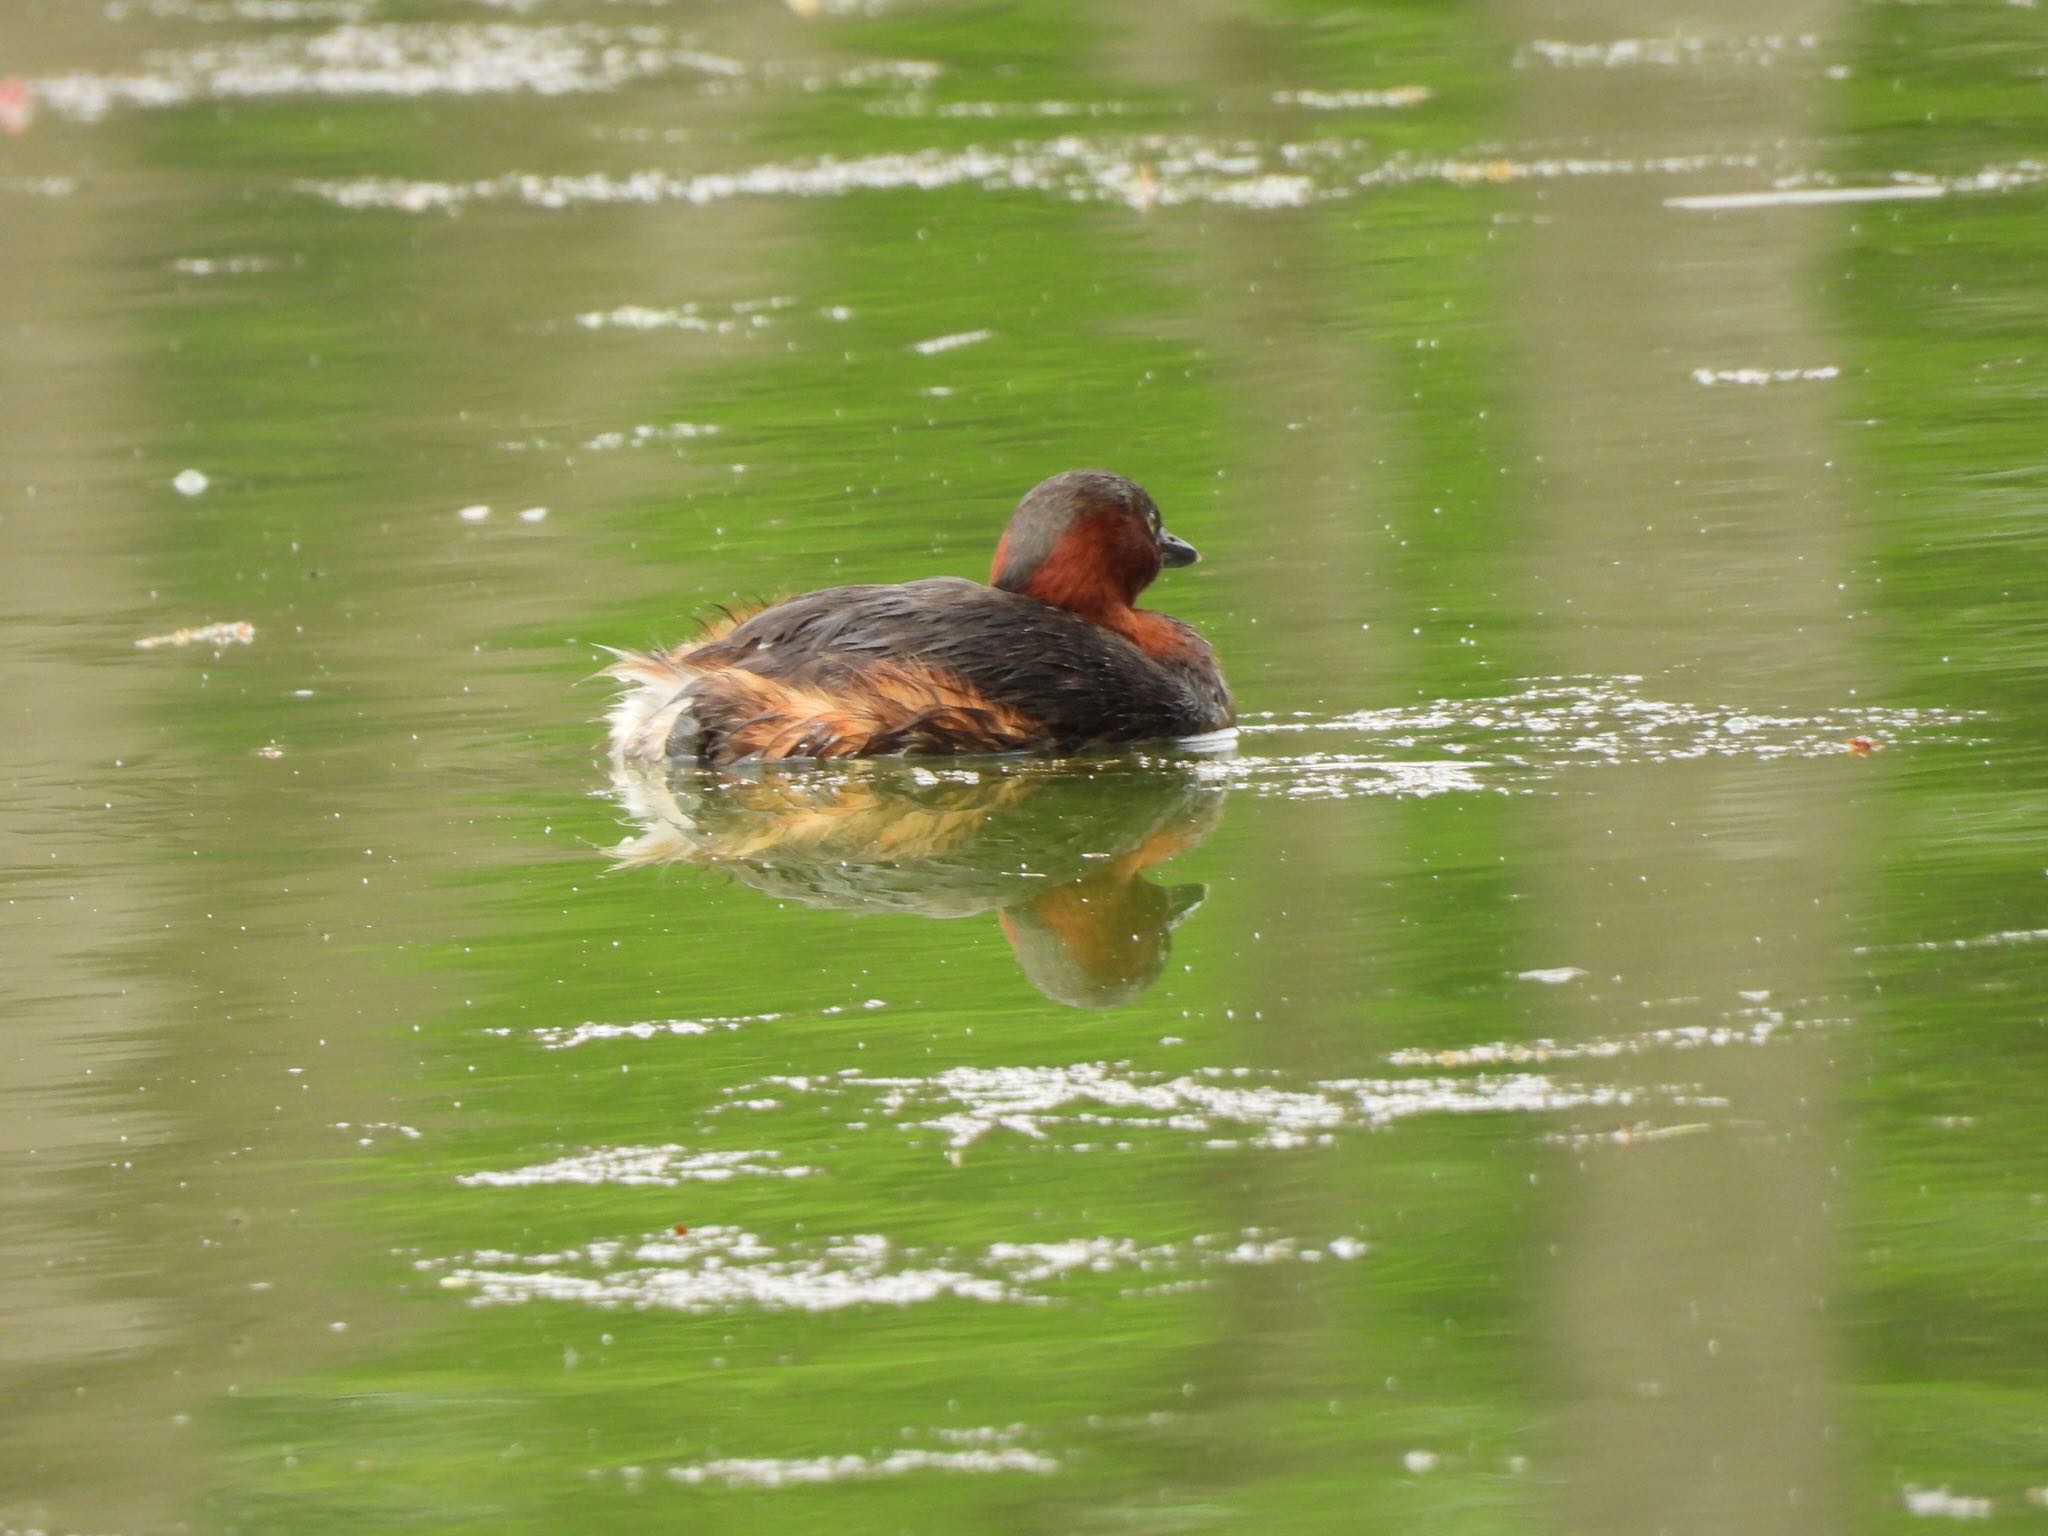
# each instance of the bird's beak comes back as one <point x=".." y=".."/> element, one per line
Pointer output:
<point x="1175" y="552"/>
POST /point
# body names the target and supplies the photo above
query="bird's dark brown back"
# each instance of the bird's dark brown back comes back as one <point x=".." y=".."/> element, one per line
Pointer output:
<point x="1085" y="683"/>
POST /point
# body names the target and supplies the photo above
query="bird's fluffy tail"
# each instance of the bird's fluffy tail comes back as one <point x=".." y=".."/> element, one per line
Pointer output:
<point x="654" y="698"/>
<point x="729" y="715"/>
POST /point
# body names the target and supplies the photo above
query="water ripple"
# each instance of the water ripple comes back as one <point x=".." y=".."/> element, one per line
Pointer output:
<point x="1225" y="1106"/>
<point x="722" y="1268"/>
<point x="665" y="1166"/>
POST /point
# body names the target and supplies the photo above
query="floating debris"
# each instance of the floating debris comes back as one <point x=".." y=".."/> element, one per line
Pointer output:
<point x="215" y="266"/>
<point x="939" y="344"/>
<point x="919" y="105"/>
<point x="270" y="749"/>
<point x="1345" y="101"/>
<point x="189" y="482"/>
<point x="241" y="10"/>
<point x="1799" y="197"/>
<point x="771" y="1472"/>
<point x="1624" y="1135"/>
<point x="534" y="515"/>
<point x="1940" y="1504"/>
<point x="17" y="105"/>
<point x="814" y="8"/>
<point x="238" y="633"/>
<point x="1709" y="377"/>
<point x="642" y="436"/>
<point x="1555" y="976"/>
<point x="475" y="514"/>
<point x="369" y="1128"/>
<point x="745" y="315"/>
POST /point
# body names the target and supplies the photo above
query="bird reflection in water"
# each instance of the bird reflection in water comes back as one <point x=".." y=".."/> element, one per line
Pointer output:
<point x="1059" y="853"/>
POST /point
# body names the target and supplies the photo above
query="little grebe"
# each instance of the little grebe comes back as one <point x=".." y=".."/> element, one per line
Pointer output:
<point x="1051" y="656"/>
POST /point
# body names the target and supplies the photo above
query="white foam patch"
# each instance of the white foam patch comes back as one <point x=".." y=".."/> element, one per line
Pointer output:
<point x="1551" y="976"/>
<point x="1940" y="1504"/>
<point x="711" y="320"/>
<point x="720" y="1268"/>
<point x="842" y="7"/>
<point x="1139" y="172"/>
<point x="39" y="186"/>
<point x="1223" y="1106"/>
<point x="1811" y="189"/>
<point x="216" y="266"/>
<point x="951" y="342"/>
<point x="1753" y="1024"/>
<point x="1351" y="101"/>
<point x="562" y="1038"/>
<point x="1753" y="377"/>
<point x="1558" y="725"/>
<point x="918" y="104"/>
<point x="642" y="435"/>
<point x="1802" y="197"/>
<point x="1763" y="49"/>
<point x="2000" y="940"/>
<point x="367" y="1131"/>
<point x="1642" y="1133"/>
<point x="778" y="1472"/>
<point x="664" y="1166"/>
<point x="1344" y="776"/>
<point x="649" y="435"/>
<point x="233" y="11"/>
<point x="388" y="59"/>
<point x="236" y="632"/>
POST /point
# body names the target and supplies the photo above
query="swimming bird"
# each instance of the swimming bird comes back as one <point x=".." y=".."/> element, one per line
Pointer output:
<point x="1051" y="656"/>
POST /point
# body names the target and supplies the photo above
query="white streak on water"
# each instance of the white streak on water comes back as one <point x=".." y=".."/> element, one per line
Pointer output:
<point x="948" y="343"/>
<point x="773" y="1472"/>
<point x="1798" y="197"/>
<point x="1141" y="172"/>
<point x="746" y="315"/>
<point x="1346" y="101"/>
<point x="641" y="436"/>
<point x="1756" y="1024"/>
<point x="664" y="1166"/>
<point x="722" y="1268"/>
<point x="1556" y="725"/>
<point x="1940" y="1504"/>
<point x="1999" y="940"/>
<point x="1225" y="1106"/>
<point x="562" y="1038"/>
<point x="1667" y="52"/>
<point x="1754" y="376"/>
<point x="388" y="59"/>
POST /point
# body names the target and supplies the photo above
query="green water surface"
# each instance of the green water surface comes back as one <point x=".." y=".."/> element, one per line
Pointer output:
<point x="1539" y="1077"/>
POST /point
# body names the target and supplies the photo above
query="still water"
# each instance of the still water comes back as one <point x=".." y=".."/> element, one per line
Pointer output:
<point x="1541" y="1076"/>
